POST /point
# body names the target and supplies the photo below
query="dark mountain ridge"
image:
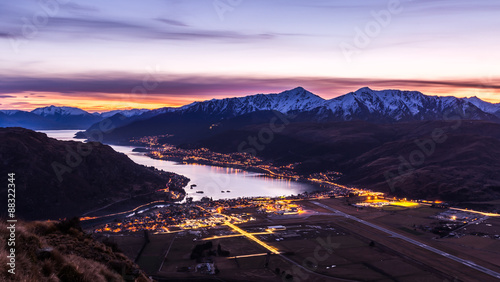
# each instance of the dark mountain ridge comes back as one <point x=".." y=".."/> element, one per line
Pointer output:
<point x="402" y="159"/>
<point x="66" y="178"/>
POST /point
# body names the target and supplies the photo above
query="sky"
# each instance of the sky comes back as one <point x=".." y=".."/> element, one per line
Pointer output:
<point x="117" y="54"/>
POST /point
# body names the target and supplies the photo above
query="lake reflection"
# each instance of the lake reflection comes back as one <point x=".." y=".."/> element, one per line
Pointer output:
<point x="214" y="182"/>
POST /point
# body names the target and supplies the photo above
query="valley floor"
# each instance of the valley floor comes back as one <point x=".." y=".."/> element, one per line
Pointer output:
<point x="326" y="242"/>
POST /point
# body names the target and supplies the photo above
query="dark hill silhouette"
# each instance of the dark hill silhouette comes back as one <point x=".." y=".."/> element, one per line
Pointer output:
<point x="101" y="177"/>
<point x="462" y="167"/>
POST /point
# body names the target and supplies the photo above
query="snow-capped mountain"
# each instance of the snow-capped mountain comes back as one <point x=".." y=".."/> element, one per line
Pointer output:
<point x="126" y="113"/>
<point x="297" y="99"/>
<point x="155" y="112"/>
<point x="485" y="106"/>
<point x="397" y="105"/>
<point x="10" y="112"/>
<point x="363" y="104"/>
<point x="63" y="111"/>
<point x="63" y="118"/>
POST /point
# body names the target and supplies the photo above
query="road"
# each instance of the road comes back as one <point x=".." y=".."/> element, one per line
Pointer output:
<point x="415" y="242"/>
<point x="166" y="253"/>
<point x="273" y="250"/>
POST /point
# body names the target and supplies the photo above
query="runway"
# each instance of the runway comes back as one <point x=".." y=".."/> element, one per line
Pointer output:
<point x="415" y="242"/>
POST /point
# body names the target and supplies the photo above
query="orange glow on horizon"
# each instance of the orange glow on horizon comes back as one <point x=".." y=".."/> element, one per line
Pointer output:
<point x="108" y="102"/>
<point x="101" y="102"/>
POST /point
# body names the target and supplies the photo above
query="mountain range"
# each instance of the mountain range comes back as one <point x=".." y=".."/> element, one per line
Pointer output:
<point x="363" y="104"/>
<point x="200" y="120"/>
<point x="385" y="106"/>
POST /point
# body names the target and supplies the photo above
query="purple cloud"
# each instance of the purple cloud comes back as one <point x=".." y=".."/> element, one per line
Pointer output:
<point x="171" y="22"/>
<point x="206" y="86"/>
<point x="102" y="28"/>
<point x="75" y="7"/>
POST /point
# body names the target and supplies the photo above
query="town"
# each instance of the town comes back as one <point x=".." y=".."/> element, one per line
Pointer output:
<point x="207" y="213"/>
<point x="157" y="148"/>
<point x="252" y="233"/>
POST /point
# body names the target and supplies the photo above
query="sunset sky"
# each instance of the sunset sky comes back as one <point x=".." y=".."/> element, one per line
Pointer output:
<point x="115" y="54"/>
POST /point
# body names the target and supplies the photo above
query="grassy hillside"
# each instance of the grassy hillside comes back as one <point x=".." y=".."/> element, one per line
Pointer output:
<point x="60" y="251"/>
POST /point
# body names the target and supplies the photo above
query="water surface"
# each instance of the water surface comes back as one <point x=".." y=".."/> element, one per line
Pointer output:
<point x="214" y="182"/>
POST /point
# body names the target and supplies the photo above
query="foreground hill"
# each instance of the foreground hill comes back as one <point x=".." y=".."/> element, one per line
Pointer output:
<point x="60" y="251"/>
<point x="448" y="160"/>
<point x="66" y="178"/>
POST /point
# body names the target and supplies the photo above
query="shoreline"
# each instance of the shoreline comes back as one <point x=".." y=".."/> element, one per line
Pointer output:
<point x="265" y="172"/>
<point x="341" y="191"/>
<point x="483" y="208"/>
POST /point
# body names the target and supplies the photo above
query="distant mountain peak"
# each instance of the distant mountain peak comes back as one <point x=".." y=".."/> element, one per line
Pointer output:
<point x="364" y="89"/>
<point x="53" y="110"/>
<point x="10" y="112"/>
<point x="298" y="89"/>
<point x="297" y="99"/>
<point x="126" y="113"/>
<point x="298" y="92"/>
<point x="484" y="106"/>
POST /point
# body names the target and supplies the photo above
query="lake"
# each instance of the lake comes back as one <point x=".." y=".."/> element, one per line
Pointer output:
<point x="214" y="182"/>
